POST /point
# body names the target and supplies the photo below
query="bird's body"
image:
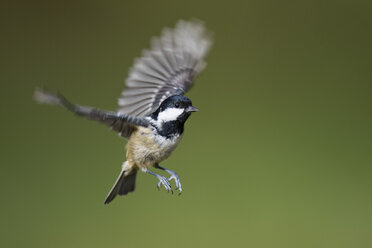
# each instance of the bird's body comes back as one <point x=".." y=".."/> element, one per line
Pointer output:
<point x="146" y="147"/>
<point x="152" y="109"/>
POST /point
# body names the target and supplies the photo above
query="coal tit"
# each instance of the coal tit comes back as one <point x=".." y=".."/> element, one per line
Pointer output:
<point x="152" y="108"/>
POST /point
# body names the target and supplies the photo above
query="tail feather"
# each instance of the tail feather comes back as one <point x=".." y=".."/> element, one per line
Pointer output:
<point x="129" y="184"/>
<point x="124" y="184"/>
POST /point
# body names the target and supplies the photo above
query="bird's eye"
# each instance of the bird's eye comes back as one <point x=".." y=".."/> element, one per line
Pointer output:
<point x="177" y="105"/>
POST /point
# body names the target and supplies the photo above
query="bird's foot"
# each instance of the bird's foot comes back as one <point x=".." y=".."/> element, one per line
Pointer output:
<point x="165" y="182"/>
<point x="162" y="180"/>
<point x="176" y="179"/>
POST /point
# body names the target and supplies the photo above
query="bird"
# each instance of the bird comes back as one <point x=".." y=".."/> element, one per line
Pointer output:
<point x="152" y="109"/>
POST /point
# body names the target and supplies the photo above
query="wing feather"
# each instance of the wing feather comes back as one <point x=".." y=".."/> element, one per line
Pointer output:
<point x="168" y="68"/>
<point x="121" y="123"/>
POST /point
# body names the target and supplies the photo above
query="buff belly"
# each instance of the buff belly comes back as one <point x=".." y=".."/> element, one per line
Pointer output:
<point x="146" y="148"/>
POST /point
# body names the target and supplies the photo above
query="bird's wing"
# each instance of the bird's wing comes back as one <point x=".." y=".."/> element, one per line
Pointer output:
<point x="121" y="123"/>
<point x="167" y="69"/>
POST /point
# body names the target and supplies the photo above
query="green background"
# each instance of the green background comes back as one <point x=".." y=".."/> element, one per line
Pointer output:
<point x="279" y="154"/>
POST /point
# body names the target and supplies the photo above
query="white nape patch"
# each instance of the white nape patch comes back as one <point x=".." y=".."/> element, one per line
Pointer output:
<point x="170" y="114"/>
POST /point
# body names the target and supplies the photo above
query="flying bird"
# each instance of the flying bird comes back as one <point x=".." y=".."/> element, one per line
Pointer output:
<point x="152" y="108"/>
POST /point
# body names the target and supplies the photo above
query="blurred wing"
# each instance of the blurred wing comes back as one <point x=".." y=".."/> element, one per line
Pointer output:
<point x="167" y="69"/>
<point x="121" y="123"/>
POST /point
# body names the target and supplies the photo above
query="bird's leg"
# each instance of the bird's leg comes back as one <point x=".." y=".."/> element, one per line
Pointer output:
<point x="173" y="176"/>
<point x="162" y="180"/>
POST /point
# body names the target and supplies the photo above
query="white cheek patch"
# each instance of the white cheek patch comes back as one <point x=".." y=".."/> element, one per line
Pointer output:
<point x="170" y="114"/>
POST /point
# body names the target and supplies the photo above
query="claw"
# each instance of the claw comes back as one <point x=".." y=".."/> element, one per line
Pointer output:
<point x="164" y="181"/>
<point x="178" y="182"/>
<point x="173" y="176"/>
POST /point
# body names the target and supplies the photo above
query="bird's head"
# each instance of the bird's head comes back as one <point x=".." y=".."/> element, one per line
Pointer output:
<point x="174" y="108"/>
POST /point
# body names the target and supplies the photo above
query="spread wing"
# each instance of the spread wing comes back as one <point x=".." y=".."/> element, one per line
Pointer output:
<point x="167" y="69"/>
<point x="121" y="123"/>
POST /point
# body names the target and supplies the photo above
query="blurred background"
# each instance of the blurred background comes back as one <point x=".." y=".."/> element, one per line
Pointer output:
<point x="279" y="155"/>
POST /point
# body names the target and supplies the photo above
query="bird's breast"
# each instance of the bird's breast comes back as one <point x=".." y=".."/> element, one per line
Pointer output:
<point x="146" y="147"/>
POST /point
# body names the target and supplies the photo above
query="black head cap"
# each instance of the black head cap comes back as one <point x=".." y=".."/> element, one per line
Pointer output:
<point x="176" y="101"/>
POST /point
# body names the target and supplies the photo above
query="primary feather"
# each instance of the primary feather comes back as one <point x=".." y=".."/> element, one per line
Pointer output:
<point x="121" y="123"/>
<point x="167" y="69"/>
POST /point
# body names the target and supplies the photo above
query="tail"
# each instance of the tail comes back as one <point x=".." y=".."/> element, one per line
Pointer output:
<point x="125" y="184"/>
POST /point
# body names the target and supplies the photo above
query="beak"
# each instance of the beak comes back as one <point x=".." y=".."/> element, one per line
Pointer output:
<point x="192" y="109"/>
